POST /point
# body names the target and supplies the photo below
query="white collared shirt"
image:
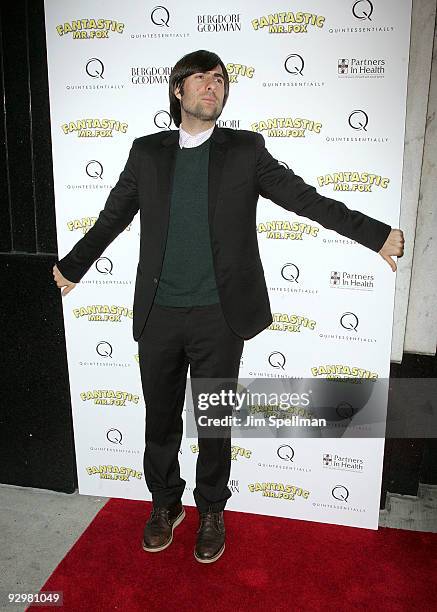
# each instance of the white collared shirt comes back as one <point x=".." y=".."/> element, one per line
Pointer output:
<point x="189" y="141"/>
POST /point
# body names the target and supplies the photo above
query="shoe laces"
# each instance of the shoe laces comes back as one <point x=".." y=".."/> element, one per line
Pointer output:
<point x="210" y="515"/>
<point x="159" y="512"/>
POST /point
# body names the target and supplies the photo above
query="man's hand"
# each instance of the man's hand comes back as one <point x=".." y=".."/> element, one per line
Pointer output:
<point x="61" y="281"/>
<point x="394" y="245"/>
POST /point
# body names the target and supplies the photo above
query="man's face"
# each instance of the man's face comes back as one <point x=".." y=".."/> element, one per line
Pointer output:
<point x="203" y="94"/>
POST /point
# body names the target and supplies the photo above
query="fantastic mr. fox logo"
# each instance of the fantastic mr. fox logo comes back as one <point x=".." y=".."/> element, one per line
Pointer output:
<point x="290" y="230"/>
<point x="90" y="28"/>
<point x="103" y="312"/>
<point x="288" y="127"/>
<point x="290" y="322"/>
<point x="361" y="182"/>
<point x="94" y="128"/>
<point x="337" y="371"/>
<point x="114" y="472"/>
<point x="109" y="397"/>
<point x="239" y="70"/>
<point x="85" y="224"/>
<point x="236" y="451"/>
<point x="278" y="490"/>
<point x="288" y="22"/>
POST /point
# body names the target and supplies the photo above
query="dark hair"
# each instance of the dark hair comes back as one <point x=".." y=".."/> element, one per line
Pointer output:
<point x="197" y="61"/>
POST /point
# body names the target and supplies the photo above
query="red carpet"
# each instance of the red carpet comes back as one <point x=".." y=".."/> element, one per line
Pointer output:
<point x="269" y="563"/>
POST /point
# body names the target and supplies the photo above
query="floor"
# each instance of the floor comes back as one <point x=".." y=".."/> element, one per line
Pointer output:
<point x="39" y="527"/>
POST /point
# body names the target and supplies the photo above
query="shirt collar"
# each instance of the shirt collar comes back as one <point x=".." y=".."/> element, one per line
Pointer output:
<point x="189" y="141"/>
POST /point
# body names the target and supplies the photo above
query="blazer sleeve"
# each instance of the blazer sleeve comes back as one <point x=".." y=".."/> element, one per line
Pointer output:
<point x="285" y="188"/>
<point x="119" y="210"/>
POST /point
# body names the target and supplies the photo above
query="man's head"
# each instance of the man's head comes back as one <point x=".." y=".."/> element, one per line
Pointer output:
<point x="199" y="85"/>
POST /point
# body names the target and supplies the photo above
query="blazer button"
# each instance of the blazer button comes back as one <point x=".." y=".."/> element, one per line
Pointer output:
<point x="155" y="280"/>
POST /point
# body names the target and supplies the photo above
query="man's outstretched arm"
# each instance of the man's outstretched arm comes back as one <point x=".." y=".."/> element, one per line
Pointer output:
<point x="120" y="208"/>
<point x="287" y="189"/>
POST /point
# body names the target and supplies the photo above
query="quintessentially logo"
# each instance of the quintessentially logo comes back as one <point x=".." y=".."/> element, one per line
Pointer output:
<point x="358" y="120"/>
<point x="289" y="230"/>
<point x="114" y="436"/>
<point x="103" y="312"/>
<point x="90" y="28"/>
<point x="288" y="22"/>
<point x="95" y="68"/>
<point x="334" y="371"/>
<point x="362" y="9"/>
<point x="94" y="169"/>
<point x="109" y="397"/>
<point x="349" y="321"/>
<point x="162" y="120"/>
<point x="277" y="359"/>
<point x="114" y="472"/>
<point x="278" y="490"/>
<point x="345" y="410"/>
<point x="239" y="70"/>
<point x="290" y="272"/>
<point x="104" y="349"/>
<point x="160" y="16"/>
<point x="86" y="128"/>
<point x="104" y="265"/>
<point x="340" y="493"/>
<point x="289" y="127"/>
<point x="294" y="64"/>
<point x="353" y="180"/>
<point x="227" y="22"/>
<point x="291" y="322"/>
<point x="285" y="452"/>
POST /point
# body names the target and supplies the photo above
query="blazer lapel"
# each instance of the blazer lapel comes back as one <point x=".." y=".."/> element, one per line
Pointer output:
<point x="217" y="156"/>
<point x="165" y="171"/>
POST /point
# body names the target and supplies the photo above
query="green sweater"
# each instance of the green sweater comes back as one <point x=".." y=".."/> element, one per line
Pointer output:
<point x="187" y="277"/>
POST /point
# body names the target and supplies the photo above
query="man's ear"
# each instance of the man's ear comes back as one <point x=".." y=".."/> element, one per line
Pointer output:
<point x="177" y="93"/>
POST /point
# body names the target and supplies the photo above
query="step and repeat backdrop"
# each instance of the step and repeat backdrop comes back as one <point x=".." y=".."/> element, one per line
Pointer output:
<point x="325" y="83"/>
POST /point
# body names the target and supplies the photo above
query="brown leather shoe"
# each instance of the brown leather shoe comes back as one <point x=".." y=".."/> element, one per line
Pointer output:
<point x="158" y="532"/>
<point x="210" y="543"/>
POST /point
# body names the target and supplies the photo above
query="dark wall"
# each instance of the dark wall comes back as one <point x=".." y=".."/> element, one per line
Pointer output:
<point x="36" y="447"/>
<point x="36" y="428"/>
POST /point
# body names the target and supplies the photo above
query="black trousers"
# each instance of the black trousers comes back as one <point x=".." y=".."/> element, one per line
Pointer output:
<point x="173" y="339"/>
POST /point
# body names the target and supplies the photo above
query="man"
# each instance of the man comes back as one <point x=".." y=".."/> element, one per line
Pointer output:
<point x="200" y="289"/>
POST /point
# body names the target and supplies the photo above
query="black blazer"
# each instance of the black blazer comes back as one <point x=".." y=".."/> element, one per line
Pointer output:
<point x="240" y="169"/>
